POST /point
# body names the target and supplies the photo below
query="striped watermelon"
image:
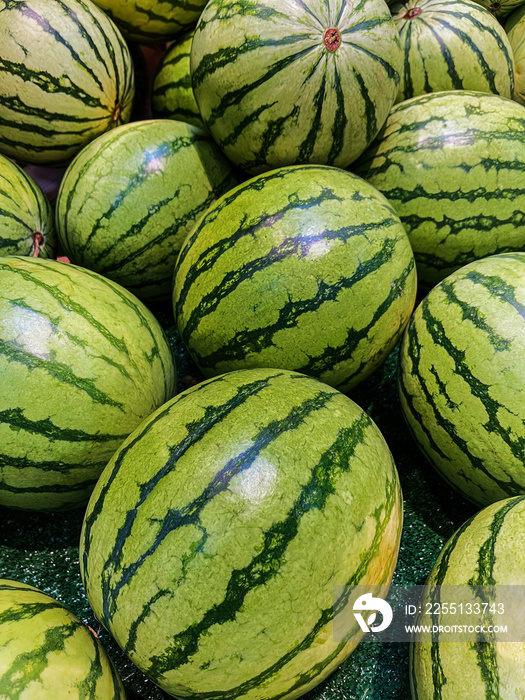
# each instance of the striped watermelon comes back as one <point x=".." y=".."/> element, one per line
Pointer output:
<point x="500" y="8"/>
<point x="149" y="21"/>
<point x="305" y="267"/>
<point x="172" y="96"/>
<point x="129" y="199"/>
<point x="82" y="362"/>
<point x="515" y="28"/>
<point x="452" y="45"/>
<point x="462" y="378"/>
<point x="486" y="551"/>
<point x="279" y="82"/>
<point x="451" y="165"/>
<point x="213" y="541"/>
<point x="47" y="652"/>
<point x="65" y="77"/>
<point x="27" y="222"/>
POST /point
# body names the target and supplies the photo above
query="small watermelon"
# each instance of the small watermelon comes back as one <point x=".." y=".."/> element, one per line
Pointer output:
<point x="452" y="45"/>
<point x="213" y="541"/>
<point x="130" y="198"/>
<point x="82" y="362"/>
<point x="451" y="165"/>
<point x="65" y="77"/>
<point x="462" y="378"/>
<point x="47" y="653"/>
<point x="306" y="268"/>
<point x="27" y="222"/>
<point x="280" y="82"/>
<point x="486" y="551"/>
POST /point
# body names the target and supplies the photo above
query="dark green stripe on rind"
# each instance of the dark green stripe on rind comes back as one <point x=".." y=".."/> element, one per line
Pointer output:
<point x="58" y="370"/>
<point x="438" y="672"/>
<point x="29" y="667"/>
<point x="54" y="490"/>
<point x="25" y="611"/>
<point x="473" y="385"/>
<point x="15" y="417"/>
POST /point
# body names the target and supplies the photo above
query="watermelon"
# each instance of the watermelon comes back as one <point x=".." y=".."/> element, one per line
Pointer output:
<point x="172" y="95"/>
<point x="65" y="77"/>
<point x="486" y="551"/>
<point x="500" y="8"/>
<point x="451" y="165"/>
<point x="82" y="362"/>
<point x="515" y="28"/>
<point x="47" y="652"/>
<point x="452" y="45"/>
<point x="213" y="541"/>
<point x="130" y="198"/>
<point x="27" y="222"/>
<point x="305" y="267"/>
<point x="150" y="21"/>
<point x="280" y="82"/>
<point x="462" y="378"/>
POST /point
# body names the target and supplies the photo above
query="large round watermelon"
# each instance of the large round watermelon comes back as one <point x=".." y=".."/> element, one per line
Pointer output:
<point x="462" y="378"/>
<point x="485" y="555"/>
<point x="27" y="222"/>
<point x="213" y="541"/>
<point x="46" y="652"/>
<point x="130" y="198"/>
<point x="452" y="45"/>
<point x="280" y="82"/>
<point x="451" y="165"/>
<point x="65" y="77"/>
<point x="306" y="268"/>
<point x="82" y="363"/>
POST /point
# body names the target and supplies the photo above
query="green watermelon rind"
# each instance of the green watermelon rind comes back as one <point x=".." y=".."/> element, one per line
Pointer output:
<point x="263" y="489"/>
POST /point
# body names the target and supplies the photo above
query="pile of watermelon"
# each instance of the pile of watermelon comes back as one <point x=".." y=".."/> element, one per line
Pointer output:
<point x="262" y="280"/>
